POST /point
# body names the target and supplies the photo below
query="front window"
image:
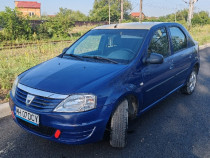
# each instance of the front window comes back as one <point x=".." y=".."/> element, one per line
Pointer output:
<point x="159" y="43"/>
<point x="120" y="45"/>
<point x="179" y="40"/>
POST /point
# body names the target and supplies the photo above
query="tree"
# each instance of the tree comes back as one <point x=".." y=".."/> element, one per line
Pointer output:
<point x="61" y="24"/>
<point x="201" y="18"/>
<point x="15" y="26"/>
<point x="72" y="15"/>
<point x="181" y="17"/>
<point x="100" y="11"/>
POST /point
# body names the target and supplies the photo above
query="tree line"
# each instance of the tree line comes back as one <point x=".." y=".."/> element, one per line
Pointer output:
<point x="200" y="18"/>
<point x="14" y="26"/>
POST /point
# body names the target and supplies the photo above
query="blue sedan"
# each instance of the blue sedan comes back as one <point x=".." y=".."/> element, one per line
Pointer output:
<point x="108" y="77"/>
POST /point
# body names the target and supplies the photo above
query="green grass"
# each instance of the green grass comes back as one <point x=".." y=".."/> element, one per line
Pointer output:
<point x="76" y="32"/>
<point x="201" y="34"/>
<point x="15" y="61"/>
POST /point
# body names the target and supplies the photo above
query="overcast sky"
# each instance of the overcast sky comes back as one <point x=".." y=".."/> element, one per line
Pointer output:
<point x="150" y="7"/>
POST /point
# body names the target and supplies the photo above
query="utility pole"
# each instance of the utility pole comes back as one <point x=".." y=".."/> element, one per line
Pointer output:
<point x="109" y="13"/>
<point x="193" y="9"/>
<point x="141" y="12"/>
<point x="122" y="12"/>
<point x="175" y="13"/>
<point x="190" y="12"/>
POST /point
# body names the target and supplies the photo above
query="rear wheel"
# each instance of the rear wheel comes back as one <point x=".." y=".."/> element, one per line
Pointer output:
<point x="119" y="126"/>
<point x="191" y="83"/>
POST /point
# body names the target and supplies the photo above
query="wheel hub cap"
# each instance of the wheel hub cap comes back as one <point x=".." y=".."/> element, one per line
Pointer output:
<point x="192" y="82"/>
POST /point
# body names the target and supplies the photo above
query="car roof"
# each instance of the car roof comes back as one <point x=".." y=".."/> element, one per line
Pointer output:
<point x="133" y="25"/>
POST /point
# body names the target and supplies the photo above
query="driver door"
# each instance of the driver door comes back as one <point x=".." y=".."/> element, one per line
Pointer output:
<point x="157" y="78"/>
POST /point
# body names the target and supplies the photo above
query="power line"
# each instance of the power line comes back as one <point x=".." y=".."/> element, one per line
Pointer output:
<point x="135" y="5"/>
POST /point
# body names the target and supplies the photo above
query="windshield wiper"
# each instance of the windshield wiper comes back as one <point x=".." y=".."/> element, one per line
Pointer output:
<point x="101" y="58"/>
<point x="73" y="55"/>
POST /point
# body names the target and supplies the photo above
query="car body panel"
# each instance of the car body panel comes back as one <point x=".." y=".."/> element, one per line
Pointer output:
<point x="148" y="83"/>
<point x="60" y="75"/>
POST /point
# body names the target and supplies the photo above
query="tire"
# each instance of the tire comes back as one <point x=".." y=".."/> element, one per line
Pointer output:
<point x="189" y="88"/>
<point x="119" y="126"/>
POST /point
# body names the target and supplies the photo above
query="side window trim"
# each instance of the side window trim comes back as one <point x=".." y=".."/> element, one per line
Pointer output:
<point x="172" y="48"/>
<point x="168" y="37"/>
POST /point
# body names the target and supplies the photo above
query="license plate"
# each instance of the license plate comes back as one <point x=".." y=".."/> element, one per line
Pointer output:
<point x="27" y="116"/>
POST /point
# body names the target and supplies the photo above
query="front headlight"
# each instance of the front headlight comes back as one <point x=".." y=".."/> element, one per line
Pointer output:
<point x="77" y="103"/>
<point x="14" y="86"/>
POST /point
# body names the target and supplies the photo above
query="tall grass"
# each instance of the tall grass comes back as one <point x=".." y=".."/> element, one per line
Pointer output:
<point x="15" y="61"/>
<point x="201" y="34"/>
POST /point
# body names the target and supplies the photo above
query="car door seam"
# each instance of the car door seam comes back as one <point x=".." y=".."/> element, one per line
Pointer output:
<point x="160" y="84"/>
<point x="182" y="71"/>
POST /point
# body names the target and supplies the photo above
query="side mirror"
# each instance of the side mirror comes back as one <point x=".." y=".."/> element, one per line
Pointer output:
<point x="154" y="58"/>
<point x="64" y="50"/>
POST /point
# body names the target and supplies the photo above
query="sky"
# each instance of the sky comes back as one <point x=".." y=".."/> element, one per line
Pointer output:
<point x="150" y="7"/>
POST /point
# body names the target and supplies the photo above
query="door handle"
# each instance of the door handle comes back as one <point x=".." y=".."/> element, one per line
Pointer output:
<point x="172" y="64"/>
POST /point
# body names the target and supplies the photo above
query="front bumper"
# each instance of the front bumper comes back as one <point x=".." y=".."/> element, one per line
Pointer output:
<point x="76" y="128"/>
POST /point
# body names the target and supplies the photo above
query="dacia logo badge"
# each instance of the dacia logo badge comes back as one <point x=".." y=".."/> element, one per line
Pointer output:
<point x="29" y="99"/>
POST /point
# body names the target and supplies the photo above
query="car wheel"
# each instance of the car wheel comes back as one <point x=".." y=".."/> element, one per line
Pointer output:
<point x="191" y="83"/>
<point x="119" y="126"/>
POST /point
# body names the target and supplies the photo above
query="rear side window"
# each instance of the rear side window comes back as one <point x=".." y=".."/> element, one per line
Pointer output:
<point x="159" y="43"/>
<point x="179" y="40"/>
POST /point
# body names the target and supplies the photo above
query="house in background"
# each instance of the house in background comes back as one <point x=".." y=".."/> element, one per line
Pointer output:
<point x="29" y="8"/>
<point x="137" y="14"/>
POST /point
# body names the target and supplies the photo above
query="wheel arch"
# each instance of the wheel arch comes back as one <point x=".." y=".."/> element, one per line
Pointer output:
<point x="133" y="103"/>
<point x="197" y="67"/>
<point x="133" y="106"/>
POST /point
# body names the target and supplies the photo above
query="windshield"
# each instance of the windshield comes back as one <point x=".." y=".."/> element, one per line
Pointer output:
<point x="119" y="46"/>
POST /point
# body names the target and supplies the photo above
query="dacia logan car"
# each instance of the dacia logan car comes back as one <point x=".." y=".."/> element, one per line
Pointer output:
<point x="109" y="76"/>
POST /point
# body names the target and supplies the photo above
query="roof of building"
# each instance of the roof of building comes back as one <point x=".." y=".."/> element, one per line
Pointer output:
<point x="136" y="14"/>
<point x="27" y="4"/>
<point x="134" y="25"/>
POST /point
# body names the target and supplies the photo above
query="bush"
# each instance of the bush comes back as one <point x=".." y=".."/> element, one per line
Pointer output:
<point x="15" y="26"/>
<point x="201" y="18"/>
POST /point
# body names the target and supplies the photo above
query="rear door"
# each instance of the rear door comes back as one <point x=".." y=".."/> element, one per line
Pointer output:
<point x="157" y="78"/>
<point x="181" y="55"/>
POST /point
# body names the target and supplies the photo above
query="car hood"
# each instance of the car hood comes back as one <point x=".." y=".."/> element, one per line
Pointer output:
<point x="66" y="76"/>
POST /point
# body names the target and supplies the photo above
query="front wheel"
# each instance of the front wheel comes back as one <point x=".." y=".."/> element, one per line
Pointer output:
<point x="119" y="126"/>
<point x="191" y="83"/>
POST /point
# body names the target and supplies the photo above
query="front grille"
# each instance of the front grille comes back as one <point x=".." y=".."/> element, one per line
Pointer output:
<point x="43" y="130"/>
<point x="38" y="102"/>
